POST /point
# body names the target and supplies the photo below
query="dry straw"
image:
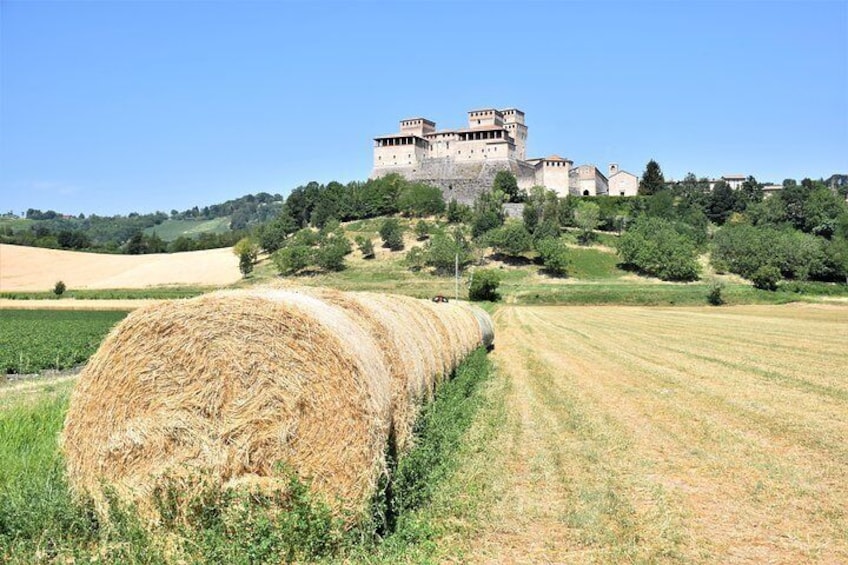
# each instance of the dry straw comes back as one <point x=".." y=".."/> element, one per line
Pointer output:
<point x="232" y="387"/>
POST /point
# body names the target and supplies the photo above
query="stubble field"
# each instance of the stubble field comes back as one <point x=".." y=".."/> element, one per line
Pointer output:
<point x="667" y="434"/>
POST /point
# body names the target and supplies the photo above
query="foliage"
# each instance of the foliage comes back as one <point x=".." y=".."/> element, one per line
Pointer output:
<point x="272" y="235"/>
<point x="34" y="340"/>
<point x="766" y="277"/>
<point x="422" y="230"/>
<point x="484" y="285"/>
<point x="488" y="213"/>
<point x="722" y="203"/>
<point x="333" y="246"/>
<point x="655" y="247"/>
<point x="510" y="239"/>
<point x="744" y="249"/>
<point x="506" y="183"/>
<point x="554" y="255"/>
<point x="446" y="248"/>
<point x="541" y="213"/>
<point x="458" y="213"/>
<point x="59" y="288"/>
<point x="586" y="218"/>
<point x="419" y="199"/>
<point x="416" y="258"/>
<point x="366" y="246"/>
<point x="292" y="258"/>
<point x="714" y="296"/>
<point x="392" y="234"/>
<point x="247" y="250"/>
<point x="652" y="179"/>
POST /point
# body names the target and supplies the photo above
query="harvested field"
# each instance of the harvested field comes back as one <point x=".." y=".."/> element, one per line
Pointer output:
<point x="36" y="269"/>
<point x="711" y="435"/>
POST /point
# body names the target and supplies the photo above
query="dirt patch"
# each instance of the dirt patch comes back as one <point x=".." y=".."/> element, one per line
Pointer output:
<point x="35" y="269"/>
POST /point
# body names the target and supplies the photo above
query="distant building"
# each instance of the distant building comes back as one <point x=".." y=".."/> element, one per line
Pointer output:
<point x="588" y="180"/>
<point x="622" y="183"/>
<point x="770" y="189"/>
<point x="463" y="162"/>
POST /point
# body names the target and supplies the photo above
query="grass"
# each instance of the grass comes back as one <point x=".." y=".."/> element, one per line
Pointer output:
<point x="157" y="293"/>
<point x="34" y="340"/>
<point x="39" y="520"/>
<point x="169" y="230"/>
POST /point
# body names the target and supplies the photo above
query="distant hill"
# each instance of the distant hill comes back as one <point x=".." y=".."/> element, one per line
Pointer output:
<point x="169" y="230"/>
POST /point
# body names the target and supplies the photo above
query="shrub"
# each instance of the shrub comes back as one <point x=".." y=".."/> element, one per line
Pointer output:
<point x="422" y="230"/>
<point x="415" y="259"/>
<point x="458" y="213"/>
<point x="59" y="288"/>
<point x="292" y="258"/>
<point x="419" y="199"/>
<point x="331" y="253"/>
<point x="484" y="285"/>
<point x="488" y="213"/>
<point x="510" y="239"/>
<point x="392" y="234"/>
<point x="587" y="217"/>
<point x="554" y="255"/>
<point x="444" y="248"/>
<point x="766" y="278"/>
<point x="366" y="246"/>
<point x="714" y="295"/>
<point x="655" y="247"/>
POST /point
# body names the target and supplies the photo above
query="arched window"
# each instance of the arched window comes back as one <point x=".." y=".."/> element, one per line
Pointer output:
<point x="585" y="193"/>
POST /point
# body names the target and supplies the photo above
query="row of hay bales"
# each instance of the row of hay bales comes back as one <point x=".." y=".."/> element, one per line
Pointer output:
<point x="227" y="387"/>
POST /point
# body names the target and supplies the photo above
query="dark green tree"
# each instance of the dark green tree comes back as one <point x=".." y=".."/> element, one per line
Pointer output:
<point x="722" y="203"/>
<point x="510" y="239"/>
<point x="506" y="183"/>
<point x="652" y="179"/>
<point x="392" y="234"/>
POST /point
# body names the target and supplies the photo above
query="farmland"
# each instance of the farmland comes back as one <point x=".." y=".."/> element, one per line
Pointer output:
<point x="34" y="340"/>
<point x="673" y="435"/>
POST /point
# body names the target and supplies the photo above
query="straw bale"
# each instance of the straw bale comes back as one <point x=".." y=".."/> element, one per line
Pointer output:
<point x="401" y="350"/>
<point x="228" y="386"/>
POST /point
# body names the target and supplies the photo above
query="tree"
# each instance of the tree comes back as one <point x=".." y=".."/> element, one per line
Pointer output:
<point x="292" y="258"/>
<point x="655" y="247"/>
<point x="366" y="246"/>
<point x="59" y="288"/>
<point x="506" y="183"/>
<point x="419" y="199"/>
<point x="273" y="234"/>
<point x="445" y="248"/>
<point x="766" y="278"/>
<point x="722" y="203"/>
<point x="554" y="255"/>
<point x="458" y="213"/>
<point x="488" y="213"/>
<point x="510" y="239"/>
<point x="587" y="217"/>
<point x="392" y="234"/>
<point x="247" y="251"/>
<point x="652" y="179"/>
<point x="422" y="230"/>
<point x="484" y="285"/>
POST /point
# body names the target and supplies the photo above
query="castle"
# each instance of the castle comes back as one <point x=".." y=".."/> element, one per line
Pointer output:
<point x="464" y="162"/>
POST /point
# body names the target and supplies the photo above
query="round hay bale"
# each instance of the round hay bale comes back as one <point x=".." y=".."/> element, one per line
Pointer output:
<point x="225" y="388"/>
<point x="402" y="354"/>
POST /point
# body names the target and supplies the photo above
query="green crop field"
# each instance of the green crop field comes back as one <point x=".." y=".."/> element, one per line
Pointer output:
<point x="169" y="230"/>
<point x="34" y="340"/>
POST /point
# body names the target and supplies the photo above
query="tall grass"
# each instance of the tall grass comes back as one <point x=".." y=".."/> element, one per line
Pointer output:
<point x="39" y="519"/>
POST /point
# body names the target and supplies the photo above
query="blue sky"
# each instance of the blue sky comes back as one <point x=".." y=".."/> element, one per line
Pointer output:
<point x="113" y="107"/>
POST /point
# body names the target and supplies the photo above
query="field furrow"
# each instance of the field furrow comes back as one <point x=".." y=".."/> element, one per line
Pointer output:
<point x="632" y="441"/>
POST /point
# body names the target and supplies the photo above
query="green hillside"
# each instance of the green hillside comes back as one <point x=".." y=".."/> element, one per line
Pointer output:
<point x="170" y="230"/>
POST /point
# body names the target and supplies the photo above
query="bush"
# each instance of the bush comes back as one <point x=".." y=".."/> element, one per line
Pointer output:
<point x="415" y="259"/>
<point x="422" y="230"/>
<point x="458" y="213"/>
<point x="59" y="288"/>
<point x="554" y="255"/>
<point x="443" y="249"/>
<point x="656" y="248"/>
<point x="484" y="285"/>
<point x="292" y="258"/>
<point x="420" y="199"/>
<point x="366" y="247"/>
<point x="510" y="239"/>
<point x="392" y="234"/>
<point x="587" y="217"/>
<point x="714" y="295"/>
<point x="331" y="253"/>
<point x="766" y="278"/>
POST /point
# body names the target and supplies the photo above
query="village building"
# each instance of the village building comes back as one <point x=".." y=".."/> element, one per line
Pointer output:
<point x="622" y="183"/>
<point x="588" y="180"/>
